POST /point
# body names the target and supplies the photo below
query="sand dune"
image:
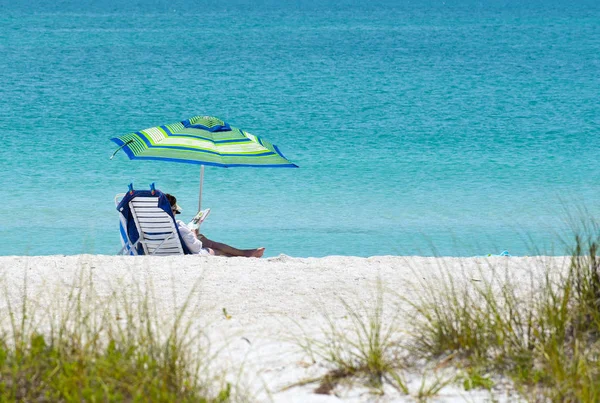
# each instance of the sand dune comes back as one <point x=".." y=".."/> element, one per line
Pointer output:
<point x="252" y="308"/>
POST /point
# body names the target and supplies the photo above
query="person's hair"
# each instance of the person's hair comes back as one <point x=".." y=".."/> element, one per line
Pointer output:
<point x="172" y="199"/>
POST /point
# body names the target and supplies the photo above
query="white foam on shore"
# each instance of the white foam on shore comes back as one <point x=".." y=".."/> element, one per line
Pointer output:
<point x="268" y="301"/>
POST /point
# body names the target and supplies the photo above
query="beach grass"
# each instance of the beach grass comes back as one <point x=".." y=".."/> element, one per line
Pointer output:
<point x="367" y="347"/>
<point x="103" y="348"/>
<point x="364" y="348"/>
<point x="543" y="335"/>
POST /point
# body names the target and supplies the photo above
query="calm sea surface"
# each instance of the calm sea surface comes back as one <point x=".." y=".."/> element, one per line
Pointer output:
<point x="420" y="127"/>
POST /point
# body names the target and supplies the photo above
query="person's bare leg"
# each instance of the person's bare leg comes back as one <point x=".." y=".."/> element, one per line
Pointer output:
<point x="227" y="250"/>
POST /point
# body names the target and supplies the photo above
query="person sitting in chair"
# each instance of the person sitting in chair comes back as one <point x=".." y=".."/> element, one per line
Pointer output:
<point x="200" y="245"/>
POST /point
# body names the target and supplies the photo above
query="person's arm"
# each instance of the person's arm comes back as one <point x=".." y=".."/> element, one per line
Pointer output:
<point x="193" y="243"/>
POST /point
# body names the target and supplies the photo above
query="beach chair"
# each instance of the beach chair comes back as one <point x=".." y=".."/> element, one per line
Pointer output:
<point x="147" y="225"/>
<point x="126" y="249"/>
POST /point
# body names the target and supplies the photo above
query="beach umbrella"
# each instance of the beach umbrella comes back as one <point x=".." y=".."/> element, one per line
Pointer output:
<point x="202" y="140"/>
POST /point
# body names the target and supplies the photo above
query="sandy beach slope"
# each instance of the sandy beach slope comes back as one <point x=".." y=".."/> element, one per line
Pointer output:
<point x="252" y="308"/>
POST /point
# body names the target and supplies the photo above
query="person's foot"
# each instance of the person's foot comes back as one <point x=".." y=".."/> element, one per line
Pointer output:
<point x="257" y="252"/>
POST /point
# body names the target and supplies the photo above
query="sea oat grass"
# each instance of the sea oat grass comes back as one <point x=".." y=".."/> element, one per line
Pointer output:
<point x="544" y="337"/>
<point x="95" y="348"/>
<point x="364" y="350"/>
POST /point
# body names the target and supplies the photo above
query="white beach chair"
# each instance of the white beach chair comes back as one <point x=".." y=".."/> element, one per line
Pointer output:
<point x="156" y="228"/>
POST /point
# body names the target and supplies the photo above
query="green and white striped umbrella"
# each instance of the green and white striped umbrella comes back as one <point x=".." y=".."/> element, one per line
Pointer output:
<point x="202" y="140"/>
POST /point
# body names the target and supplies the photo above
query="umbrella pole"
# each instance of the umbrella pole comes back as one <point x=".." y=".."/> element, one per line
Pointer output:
<point x="201" y="183"/>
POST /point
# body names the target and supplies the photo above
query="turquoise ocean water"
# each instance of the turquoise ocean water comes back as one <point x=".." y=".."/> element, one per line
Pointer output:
<point x="420" y="127"/>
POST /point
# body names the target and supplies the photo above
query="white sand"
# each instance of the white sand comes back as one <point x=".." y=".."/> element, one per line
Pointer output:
<point x="268" y="300"/>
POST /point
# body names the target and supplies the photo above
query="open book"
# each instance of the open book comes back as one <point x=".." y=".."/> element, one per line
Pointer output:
<point x="198" y="219"/>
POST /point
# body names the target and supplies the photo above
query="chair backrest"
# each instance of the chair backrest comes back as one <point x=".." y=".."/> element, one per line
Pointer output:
<point x="157" y="230"/>
<point x="147" y="225"/>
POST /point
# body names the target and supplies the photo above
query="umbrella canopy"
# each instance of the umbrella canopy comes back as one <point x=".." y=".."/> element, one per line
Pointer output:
<point x="202" y="140"/>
